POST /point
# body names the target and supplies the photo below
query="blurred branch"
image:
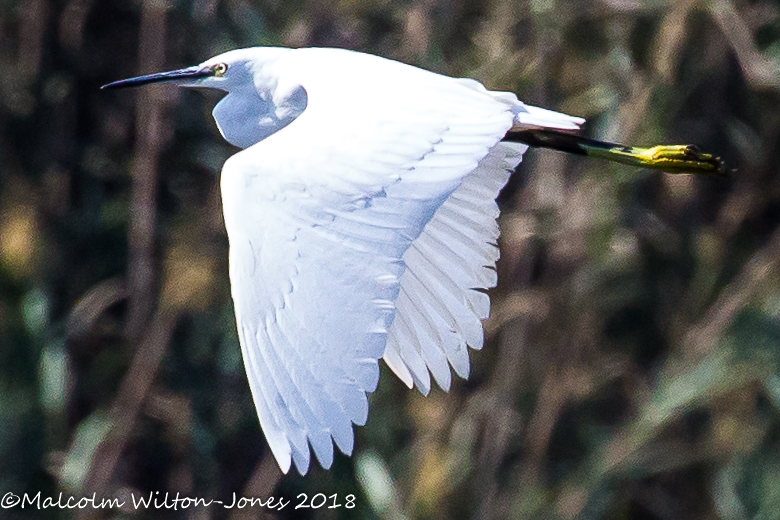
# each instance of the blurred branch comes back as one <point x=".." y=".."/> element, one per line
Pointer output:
<point x="34" y="16"/>
<point x="92" y="305"/>
<point x="261" y="484"/>
<point x="702" y="337"/>
<point x="502" y="394"/>
<point x="132" y="392"/>
<point x="552" y="396"/>
<point x="668" y="44"/>
<point x="72" y="22"/>
<point x="670" y="39"/>
<point x="143" y="197"/>
<point x="151" y="348"/>
<point x="758" y="70"/>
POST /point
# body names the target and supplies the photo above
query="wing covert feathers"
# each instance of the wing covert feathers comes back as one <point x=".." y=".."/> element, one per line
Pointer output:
<point x="366" y="228"/>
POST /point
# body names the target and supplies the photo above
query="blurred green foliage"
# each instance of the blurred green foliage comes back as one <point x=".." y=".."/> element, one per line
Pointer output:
<point x="632" y="362"/>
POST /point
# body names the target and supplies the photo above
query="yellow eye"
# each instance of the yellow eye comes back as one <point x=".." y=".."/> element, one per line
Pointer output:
<point x="220" y="69"/>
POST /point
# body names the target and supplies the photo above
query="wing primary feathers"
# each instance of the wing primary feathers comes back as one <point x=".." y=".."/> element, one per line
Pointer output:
<point x="325" y="408"/>
<point x="277" y="439"/>
<point x="393" y="360"/>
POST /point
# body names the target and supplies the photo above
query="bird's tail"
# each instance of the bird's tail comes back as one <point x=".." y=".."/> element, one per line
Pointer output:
<point x="527" y="116"/>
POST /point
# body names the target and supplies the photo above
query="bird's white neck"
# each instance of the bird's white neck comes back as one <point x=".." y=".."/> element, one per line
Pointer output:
<point x="258" y="107"/>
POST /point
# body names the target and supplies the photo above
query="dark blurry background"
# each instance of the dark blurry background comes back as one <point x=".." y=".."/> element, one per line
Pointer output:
<point x="632" y="357"/>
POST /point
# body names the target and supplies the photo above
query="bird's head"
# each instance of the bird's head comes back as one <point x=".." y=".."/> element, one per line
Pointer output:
<point x="229" y="71"/>
<point x="255" y="106"/>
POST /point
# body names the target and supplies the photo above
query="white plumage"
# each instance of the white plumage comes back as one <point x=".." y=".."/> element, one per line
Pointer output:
<point x="361" y="217"/>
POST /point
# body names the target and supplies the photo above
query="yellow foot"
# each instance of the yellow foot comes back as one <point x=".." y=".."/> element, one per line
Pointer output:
<point x="670" y="158"/>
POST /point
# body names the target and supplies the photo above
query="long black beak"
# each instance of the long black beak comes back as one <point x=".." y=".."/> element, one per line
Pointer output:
<point x="188" y="73"/>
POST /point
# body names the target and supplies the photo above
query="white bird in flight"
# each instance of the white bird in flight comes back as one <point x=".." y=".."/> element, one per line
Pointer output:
<point x="361" y="218"/>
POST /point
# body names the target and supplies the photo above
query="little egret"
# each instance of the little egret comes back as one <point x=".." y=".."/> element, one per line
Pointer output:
<point x="361" y="218"/>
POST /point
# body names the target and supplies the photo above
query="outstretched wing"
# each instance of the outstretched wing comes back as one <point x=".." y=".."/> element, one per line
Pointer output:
<point x="320" y="216"/>
<point x="448" y="268"/>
